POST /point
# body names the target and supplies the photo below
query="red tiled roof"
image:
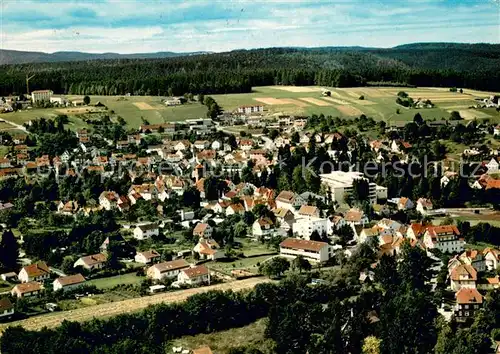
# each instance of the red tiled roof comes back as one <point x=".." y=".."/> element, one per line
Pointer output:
<point x="36" y="269"/>
<point x="306" y="245"/>
<point x="195" y="272"/>
<point x="469" y="296"/>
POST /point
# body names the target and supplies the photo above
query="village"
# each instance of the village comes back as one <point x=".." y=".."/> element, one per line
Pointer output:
<point x="202" y="201"/>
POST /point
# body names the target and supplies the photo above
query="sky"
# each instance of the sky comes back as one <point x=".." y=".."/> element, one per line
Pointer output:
<point x="139" y="26"/>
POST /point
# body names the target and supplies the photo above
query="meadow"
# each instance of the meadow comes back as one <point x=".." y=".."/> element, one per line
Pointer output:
<point x="378" y="102"/>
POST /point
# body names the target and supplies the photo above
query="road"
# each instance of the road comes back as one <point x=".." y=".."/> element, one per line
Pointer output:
<point x="16" y="126"/>
<point x="126" y="306"/>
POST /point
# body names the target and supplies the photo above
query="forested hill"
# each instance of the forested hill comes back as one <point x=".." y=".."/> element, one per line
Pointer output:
<point x="22" y="57"/>
<point x="435" y="64"/>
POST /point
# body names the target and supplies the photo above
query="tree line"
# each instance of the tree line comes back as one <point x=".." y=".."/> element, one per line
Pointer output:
<point x="239" y="71"/>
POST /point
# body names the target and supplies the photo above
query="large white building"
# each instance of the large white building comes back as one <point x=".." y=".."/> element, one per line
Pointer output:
<point x="340" y="184"/>
<point x="444" y="238"/>
<point x="314" y="251"/>
<point x="305" y="226"/>
<point x="41" y="95"/>
<point x="250" y="109"/>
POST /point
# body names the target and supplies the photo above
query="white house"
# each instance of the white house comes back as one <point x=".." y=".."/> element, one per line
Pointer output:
<point x="424" y="206"/>
<point x="263" y="227"/>
<point x="444" y="238"/>
<point x="289" y="200"/>
<point x="109" y="200"/>
<point x="92" y="262"/>
<point x="491" y="258"/>
<point x="285" y="218"/>
<point x="493" y="166"/>
<point x="145" y="231"/>
<point x="463" y="276"/>
<point x="305" y="226"/>
<point x="311" y="250"/>
<point x="34" y="272"/>
<point x="203" y="230"/>
<point x="474" y="258"/>
<point x="31" y="288"/>
<point x="309" y="210"/>
<point x="235" y="208"/>
<point x="69" y="282"/>
<point x="208" y="249"/>
<point x="165" y="270"/>
<point x="496" y="130"/>
<point x="194" y="275"/>
<point x="147" y="257"/>
<point x="6" y="308"/>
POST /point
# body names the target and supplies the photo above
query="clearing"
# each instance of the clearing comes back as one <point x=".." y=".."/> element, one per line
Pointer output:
<point x="379" y="103"/>
<point x="126" y="306"/>
<point x="299" y="88"/>
<point x="315" y="101"/>
<point x="349" y="110"/>
<point x="143" y="106"/>
<point x="222" y="342"/>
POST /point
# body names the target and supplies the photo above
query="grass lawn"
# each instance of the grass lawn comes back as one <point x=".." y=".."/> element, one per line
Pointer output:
<point x="248" y="264"/>
<point x="110" y="282"/>
<point x="379" y="103"/>
<point x="222" y="342"/>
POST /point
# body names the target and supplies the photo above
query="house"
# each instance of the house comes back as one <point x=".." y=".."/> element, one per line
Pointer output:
<point x="463" y="276"/>
<point x="468" y="301"/>
<point x="474" y="258"/>
<point x="289" y="200"/>
<point x="203" y="230"/>
<point x="284" y="217"/>
<point x="68" y="208"/>
<point x="493" y="166"/>
<point x="405" y="204"/>
<point x="208" y="249"/>
<point x="31" y="288"/>
<point x="424" y="205"/>
<point x="250" y="109"/>
<point x="194" y="275"/>
<point x="496" y="130"/>
<point x="399" y="146"/>
<point x="6" y="308"/>
<point x="165" y="270"/>
<point x="147" y="257"/>
<point x="144" y="231"/>
<point x="491" y="258"/>
<point x="355" y="217"/>
<point x="235" y="208"/>
<point x="314" y="251"/>
<point x="263" y="227"/>
<point x="369" y="235"/>
<point x="109" y="200"/>
<point x="69" y="282"/>
<point x="92" y="262"/>
<point x="34" y="272"/>
<point x="10" y="276"/>
<point x="305" y="226"/>
<point x="308" y="210"/>
<point x="41" y="95"/>
<point x="444" y="238"/>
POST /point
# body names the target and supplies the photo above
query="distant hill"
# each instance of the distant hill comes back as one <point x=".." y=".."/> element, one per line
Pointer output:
<point x="20" y="57"/>
<point x="472" y="66"/>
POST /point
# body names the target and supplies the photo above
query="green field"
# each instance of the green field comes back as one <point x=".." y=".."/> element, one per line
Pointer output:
<point x="379" y="103"/>
<point x="110" y="282"/>
<point x="222" y="342"/>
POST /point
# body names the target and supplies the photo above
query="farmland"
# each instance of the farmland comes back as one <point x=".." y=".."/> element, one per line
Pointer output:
<point x="378" y="102"/>
<point x="126" y="306"/>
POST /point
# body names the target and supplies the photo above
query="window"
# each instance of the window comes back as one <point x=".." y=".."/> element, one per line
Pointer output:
<point x="467" y="313"/>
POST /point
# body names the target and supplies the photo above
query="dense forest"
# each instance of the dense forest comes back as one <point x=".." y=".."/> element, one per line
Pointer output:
<point x="447" y="65"/>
